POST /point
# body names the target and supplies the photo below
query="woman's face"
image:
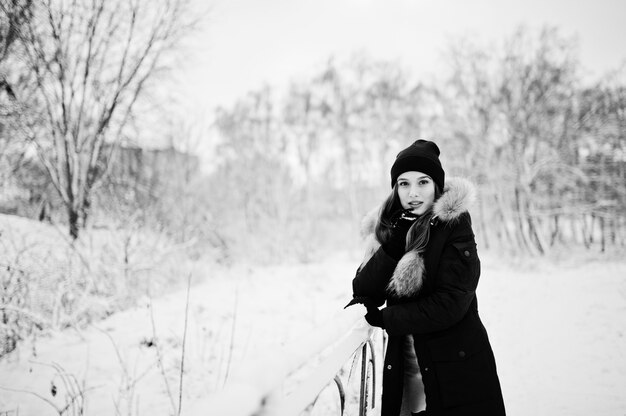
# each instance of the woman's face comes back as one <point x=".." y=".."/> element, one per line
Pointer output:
<point x="416" y="191"/>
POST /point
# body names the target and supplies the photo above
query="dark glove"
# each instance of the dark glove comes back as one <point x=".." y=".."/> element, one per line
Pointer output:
<point x="365" y="300"/>
<point x="395" y="247"/>
<point x="374" y="317"/>
<point x="356" y="300"/>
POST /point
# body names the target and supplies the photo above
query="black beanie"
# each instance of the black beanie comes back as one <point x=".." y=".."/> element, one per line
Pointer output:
<point x="421" y="156"/>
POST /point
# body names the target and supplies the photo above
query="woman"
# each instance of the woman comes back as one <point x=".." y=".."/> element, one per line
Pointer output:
<point x="423" y="262"/>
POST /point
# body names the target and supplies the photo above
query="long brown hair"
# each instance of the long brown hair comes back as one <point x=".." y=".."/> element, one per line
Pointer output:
<point x="419" y="233"/>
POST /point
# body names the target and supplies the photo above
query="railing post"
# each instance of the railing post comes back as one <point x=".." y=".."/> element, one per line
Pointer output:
<point x="372" y="361"/>
<point x="363" y="398"/>
<point x="342" y="394"/>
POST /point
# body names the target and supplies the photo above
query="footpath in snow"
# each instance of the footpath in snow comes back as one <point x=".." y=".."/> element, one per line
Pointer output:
<point x="558" y="333"/>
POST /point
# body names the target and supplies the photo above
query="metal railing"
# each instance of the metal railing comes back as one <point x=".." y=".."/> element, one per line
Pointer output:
<point x="289" y="380"/>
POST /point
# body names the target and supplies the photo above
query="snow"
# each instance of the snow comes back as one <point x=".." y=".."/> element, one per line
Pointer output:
<point x="559" y="336"/>
<point x="557" y="330"/>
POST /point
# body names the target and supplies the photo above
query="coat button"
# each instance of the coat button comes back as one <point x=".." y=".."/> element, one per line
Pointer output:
<point x="426" y="369"/>
<point x="389" y="367"/>
<point x="466" y="253"/>
<point x="462" y="354"/>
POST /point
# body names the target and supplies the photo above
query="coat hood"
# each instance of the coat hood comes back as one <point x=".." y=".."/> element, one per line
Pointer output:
<point x="458" y="195"/>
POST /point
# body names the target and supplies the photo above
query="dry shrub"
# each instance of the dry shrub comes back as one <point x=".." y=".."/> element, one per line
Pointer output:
<point x="49" y="281"/>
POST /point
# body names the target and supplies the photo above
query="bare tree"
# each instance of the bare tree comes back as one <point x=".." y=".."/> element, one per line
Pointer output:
<point x="14" y="16"/>
<point x="602" y="116"/>
<point x="91" y="61"/>
<point x="513" y="113"/>
<point x="366" y="108"/>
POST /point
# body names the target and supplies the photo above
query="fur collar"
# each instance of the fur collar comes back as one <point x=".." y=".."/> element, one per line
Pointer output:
<point x="458" y="195"/>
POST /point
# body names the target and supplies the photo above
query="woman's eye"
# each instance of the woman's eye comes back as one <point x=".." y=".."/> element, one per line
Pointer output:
<point x="424" y="182"/>
<point x="403" y="183"/>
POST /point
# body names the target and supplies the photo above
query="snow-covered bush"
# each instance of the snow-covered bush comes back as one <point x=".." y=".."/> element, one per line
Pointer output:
<point x="49" y="281"/>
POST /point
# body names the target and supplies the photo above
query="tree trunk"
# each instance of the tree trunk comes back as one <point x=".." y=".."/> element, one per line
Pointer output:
<point x="73" y="220"/>
<point x="555" y="231"/>
<point x="521" y="227"/>
<point x="602" y="234"/>
<point x="585" y="232"/>
<point x="533" y="234"/>
<point x="502" y="212"/>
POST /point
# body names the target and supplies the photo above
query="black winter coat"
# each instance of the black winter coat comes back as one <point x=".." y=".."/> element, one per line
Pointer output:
<point x="436" y="304"/>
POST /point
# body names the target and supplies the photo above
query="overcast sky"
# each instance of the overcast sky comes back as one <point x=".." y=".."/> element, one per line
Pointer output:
<point x="245" y="43"/>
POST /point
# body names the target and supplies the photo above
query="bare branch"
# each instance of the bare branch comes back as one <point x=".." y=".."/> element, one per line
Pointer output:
<point x="91" y="62"/>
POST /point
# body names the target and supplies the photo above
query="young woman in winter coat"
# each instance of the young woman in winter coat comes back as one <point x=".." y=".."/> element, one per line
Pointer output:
<point x="422" y="262"/>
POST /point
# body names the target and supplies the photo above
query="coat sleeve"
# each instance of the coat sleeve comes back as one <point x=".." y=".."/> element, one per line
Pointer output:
<point x="372" y="278"/>
<point x="454" y="290"/>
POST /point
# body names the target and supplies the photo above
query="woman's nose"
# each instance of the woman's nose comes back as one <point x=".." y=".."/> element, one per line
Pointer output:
<point x="413" y="191"/>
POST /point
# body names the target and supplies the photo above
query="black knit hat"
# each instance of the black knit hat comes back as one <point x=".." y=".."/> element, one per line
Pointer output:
<point x="421" y="156"/>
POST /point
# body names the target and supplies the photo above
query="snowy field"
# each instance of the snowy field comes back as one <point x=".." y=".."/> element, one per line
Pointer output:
<point x="558" y="333"/>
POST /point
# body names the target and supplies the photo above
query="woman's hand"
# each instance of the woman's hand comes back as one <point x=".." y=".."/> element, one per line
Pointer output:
<point x="395" y="247"/>
<point x="365" y="300"/>
<point x="374" y="317"/>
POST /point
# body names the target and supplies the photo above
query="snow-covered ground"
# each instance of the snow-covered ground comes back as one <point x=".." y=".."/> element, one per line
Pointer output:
<point x="558" y="333"/>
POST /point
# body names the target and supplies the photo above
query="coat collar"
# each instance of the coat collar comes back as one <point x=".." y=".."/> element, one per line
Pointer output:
<point x="458" y="195"/>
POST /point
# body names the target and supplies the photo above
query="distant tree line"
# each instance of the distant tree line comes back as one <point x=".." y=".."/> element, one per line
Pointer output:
<point x="547" y="150"/>
<point x="294" y="170"/>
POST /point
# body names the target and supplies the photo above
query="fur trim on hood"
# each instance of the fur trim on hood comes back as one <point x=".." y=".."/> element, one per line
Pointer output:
<point x="458" y="195"/>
